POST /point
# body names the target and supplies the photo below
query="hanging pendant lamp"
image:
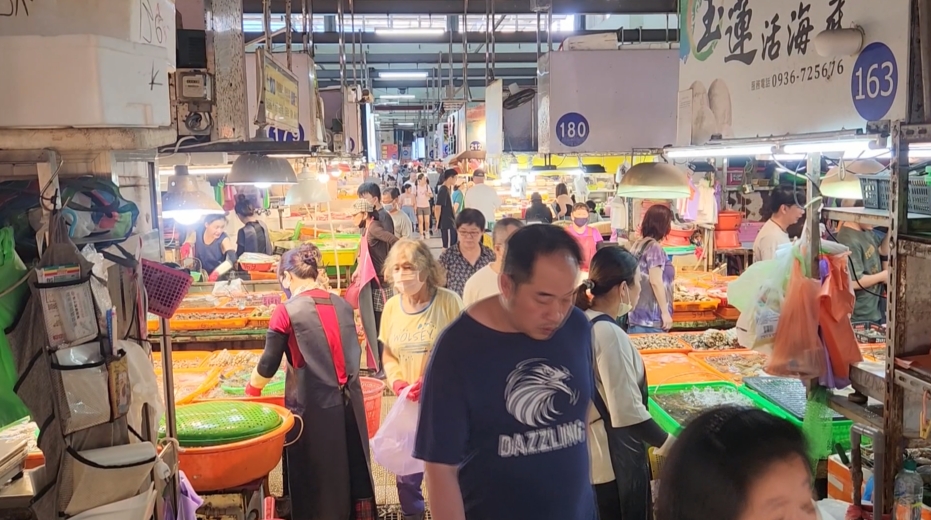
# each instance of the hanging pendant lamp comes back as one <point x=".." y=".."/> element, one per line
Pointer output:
<point x="260" y="171"/>
<point x="842" y="182"/>
<point x="184" y="201"/>
<point x="654" y="180"/>
<point x="308" y="190"/>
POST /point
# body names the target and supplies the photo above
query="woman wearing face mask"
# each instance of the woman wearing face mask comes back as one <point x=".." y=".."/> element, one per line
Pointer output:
<point x="327" y="473"/>
<point x="587" y="237"/>
<point x="620" y="427"/>
<point x="410" y="324"/>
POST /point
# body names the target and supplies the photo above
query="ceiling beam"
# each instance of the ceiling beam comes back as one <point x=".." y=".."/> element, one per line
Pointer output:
<point x="370" y="38"/>
<point x="445" y="7"/>
<point x="501" y="72"/>
<point x="374" y="58"/>
<point x="393" y="84"/>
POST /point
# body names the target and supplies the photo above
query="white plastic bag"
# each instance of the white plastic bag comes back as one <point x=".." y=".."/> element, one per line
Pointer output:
<point x="145" y="388"/>
<point x="393" y="445"/>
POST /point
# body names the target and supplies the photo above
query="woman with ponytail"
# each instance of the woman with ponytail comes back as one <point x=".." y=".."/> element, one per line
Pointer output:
<point x="620" y="428"/>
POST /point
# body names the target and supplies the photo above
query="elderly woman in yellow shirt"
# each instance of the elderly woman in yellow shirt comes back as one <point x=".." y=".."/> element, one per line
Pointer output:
<point x="410" y="324"/>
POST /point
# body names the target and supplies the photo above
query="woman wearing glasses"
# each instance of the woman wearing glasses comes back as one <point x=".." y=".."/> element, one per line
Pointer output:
<point x="468" y="255"/>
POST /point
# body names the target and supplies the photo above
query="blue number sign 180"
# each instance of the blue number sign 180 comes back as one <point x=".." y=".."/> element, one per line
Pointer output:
<point x="572" y="129"/>
<point x="874" y="81"/>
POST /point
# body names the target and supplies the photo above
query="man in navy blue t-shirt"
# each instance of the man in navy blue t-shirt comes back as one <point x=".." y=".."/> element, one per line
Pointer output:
<point x="505" y="397"/>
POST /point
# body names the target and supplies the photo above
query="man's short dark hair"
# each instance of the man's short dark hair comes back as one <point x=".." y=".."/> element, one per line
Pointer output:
<point x="783" y="196"/>
<point x="369" y="188"/>
<point x="395" y="194"/>
<point x="501" y="227"/>
<point x="470" y="216"/>
<point x="529" y="243"/>
<point x="449" y="173"/>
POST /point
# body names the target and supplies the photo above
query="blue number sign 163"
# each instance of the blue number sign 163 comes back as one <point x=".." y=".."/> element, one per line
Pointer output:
<point x="572" y="129"/>
<point x="874" y="81"/>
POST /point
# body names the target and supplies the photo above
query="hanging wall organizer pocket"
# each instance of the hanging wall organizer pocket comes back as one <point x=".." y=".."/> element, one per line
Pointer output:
<point x="94" y="478"/>
<point x="81" y="387"/>
<point x="68" y="306"/>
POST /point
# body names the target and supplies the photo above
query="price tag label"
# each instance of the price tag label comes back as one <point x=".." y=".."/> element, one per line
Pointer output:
<point x="572" y="129"/>
<point x="874" y="81"/>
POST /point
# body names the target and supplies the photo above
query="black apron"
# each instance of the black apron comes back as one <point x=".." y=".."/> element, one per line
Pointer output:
<point x="327" y="468"/>
<point x="629" y="458"/>
<point x="251" y="242"/>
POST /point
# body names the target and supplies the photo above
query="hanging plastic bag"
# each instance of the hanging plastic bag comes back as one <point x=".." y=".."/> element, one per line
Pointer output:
<point x="836" y="301"/>
<point x="13" y="294"/>
<point x="144" y="388"/>
<point x="393" y="445"/>
<point x="797" y="350"/>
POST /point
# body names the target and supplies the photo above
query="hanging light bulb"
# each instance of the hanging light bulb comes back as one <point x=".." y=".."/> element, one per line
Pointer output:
<point x="185" y="202"/>
<point x="654" y="180"/>
<point x="260" y="170"/>
<point x="310" y="189"/>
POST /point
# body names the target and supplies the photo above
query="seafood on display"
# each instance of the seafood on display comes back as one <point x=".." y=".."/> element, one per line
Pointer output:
<point x="685" y="405"/>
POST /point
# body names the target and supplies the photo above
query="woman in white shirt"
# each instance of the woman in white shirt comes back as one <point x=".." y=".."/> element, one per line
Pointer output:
<point x="620" y="427"/>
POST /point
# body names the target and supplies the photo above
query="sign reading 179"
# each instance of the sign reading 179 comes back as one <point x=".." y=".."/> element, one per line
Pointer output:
<point x="874" y="81"/>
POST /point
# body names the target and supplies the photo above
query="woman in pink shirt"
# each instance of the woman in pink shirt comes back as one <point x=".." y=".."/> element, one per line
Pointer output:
<point x="423" y="193"/>
<point x="587" y="236"/>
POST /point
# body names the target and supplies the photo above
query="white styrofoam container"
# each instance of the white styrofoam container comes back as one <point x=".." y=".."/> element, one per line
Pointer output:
<point x="82" y="81"/>
<point x="150" y="22"/>
<point x="604" y="101"/>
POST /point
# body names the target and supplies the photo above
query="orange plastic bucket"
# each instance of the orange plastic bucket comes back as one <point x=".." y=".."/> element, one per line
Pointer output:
<point x="372" y="390"/>
<point x="227" y="466"/>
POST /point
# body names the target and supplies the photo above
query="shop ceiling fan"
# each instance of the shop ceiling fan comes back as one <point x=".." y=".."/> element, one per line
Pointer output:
<point x="517" y="97"/>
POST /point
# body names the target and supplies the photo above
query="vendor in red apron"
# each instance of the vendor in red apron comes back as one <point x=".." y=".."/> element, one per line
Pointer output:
<point x="587" y="236"/>
<point x="327" y="472"/>
<point x="620" y="427"/>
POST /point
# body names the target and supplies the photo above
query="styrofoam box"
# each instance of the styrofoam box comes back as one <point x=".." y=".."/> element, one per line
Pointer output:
<point x="149" y="22"/>
<point x="82" y="81"/>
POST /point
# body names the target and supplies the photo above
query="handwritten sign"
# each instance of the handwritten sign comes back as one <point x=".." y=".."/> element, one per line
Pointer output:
<point x="156" y="23"/>
<point x="753" y="70"/>
<point x="14" y="8"/>
<point x="281" y="96"/>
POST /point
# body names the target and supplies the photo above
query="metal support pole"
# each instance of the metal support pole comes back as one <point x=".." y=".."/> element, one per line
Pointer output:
<point x="467" y="92"/>
<point x="924" y="36"/>
<point x="487" y="35"/>
<point x="287" y="37"/>
<point x="342" y="43"/>
<point x="352" y="22"/>
<point x="549" y="29"/>
<point x="813" y="213"/>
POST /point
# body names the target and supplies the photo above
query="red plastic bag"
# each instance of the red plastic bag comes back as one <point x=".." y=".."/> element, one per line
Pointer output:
<point x="836" y="301"/>
<point x="797" y="350"/>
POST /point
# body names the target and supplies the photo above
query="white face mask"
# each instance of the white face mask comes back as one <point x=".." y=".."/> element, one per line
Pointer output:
<point x="625" y="308"/>
<point x="408" y="282"/>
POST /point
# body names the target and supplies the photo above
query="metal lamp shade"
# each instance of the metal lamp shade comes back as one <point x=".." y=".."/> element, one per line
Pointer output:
<point x="185" y="198"/>
<point x="654" y="180"/>
<point x="308" y="190"/>
<point x="253" y="168"/>
<point x="845" y="184"/>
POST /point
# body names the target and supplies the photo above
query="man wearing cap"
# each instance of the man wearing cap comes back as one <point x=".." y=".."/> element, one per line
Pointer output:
<point x="483" y="198"/>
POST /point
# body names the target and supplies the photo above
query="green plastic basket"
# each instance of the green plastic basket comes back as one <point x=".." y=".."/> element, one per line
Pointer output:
<point x="840" y="428"/>
<point x="671" y="426"/>
<point x="213" y="423"/>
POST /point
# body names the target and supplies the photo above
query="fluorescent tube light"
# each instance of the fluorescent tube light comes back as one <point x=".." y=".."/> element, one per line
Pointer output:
<point x="853" y="145"/>
<point x="402" y="123"/>
<point x="700" y="152"/>
<point x="397" y="96"/>
<point x="412" y="31"/>
<point x="419" y="74"/>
